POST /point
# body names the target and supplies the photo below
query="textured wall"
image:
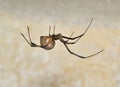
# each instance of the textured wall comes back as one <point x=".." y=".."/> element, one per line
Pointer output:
<point x="23" y="66"/>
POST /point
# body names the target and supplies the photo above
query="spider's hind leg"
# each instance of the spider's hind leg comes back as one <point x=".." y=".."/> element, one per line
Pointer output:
<point x="30" y="42"/>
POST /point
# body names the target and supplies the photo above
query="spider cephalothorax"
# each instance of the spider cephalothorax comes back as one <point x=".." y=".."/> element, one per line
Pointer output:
<point x="48" y="42"/>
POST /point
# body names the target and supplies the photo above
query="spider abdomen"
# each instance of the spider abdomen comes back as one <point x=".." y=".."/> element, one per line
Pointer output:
<point x="47" y="42"/>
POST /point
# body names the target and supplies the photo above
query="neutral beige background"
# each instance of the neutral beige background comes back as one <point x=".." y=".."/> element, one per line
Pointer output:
<point x="23" y="66"/>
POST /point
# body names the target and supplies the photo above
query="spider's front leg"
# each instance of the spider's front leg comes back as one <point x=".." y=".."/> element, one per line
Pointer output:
<point x="71" y="42"/>
<point x="30" y="42"/>
<point x="65" y="44"/>
<point x="79" y="55"/>
<point x="77" y="37"/>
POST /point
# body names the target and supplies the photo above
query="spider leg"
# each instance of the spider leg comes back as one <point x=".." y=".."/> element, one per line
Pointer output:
<point x="54" y="30"/>
<point x="79" y="35"/>
<point x="79" y="55"/>
<point x="30" y="43"/>
<point x="25" y="39"/>
<point x="70" y="36"/>
<point x="49" y="30"/>
<point x="65" y="44"/>
<point x="71" y="42"/>
<point x="29" y="34"/>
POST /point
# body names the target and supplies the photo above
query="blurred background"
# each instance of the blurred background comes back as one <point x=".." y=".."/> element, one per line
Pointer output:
<point x="23" y="66"/>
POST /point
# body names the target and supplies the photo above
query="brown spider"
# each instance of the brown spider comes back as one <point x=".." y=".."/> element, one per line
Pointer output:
<point x="48" y="42"/>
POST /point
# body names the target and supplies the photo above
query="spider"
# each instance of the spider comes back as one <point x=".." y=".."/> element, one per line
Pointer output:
<point x="48" y="42"/>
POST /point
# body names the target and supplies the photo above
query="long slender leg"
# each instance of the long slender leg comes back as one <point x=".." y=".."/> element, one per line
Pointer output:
<point x="79" y="55"/>
<point x="81" y="34"/>
<point x="29" y="34"/>
<point x="71" y="42"/>
<point x="25" y="39"/>
<point x="54" y="30"/>
<point x="70" y="36"/>
<point x="49" y="30"/>
<point x="30" y="43"/>
<point x="64" y="42"/>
